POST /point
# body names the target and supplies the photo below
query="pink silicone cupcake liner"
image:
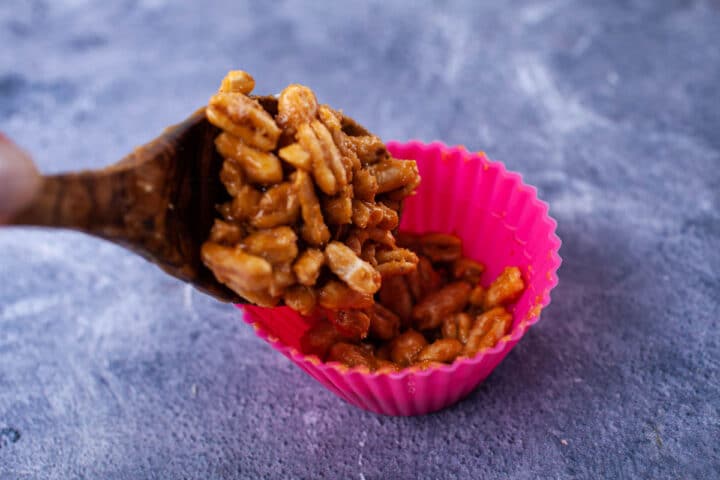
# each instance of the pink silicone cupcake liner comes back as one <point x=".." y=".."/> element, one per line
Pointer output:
<point x="501" y="222"/>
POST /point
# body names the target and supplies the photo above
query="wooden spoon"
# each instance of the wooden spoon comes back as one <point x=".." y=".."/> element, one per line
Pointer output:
<point x="159" y="201"/>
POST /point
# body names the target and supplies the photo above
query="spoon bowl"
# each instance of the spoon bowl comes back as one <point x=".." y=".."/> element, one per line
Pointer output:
<point x="159" y="201"/>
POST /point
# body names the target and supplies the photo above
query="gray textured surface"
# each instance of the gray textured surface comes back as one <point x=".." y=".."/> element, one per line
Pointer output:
<point x="108" y="369"/>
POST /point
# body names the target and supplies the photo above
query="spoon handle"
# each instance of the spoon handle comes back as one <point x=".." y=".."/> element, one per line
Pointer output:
<point x="126" y="202"/>
<point x="159" y="201"/>
<point x="89" y="201"/>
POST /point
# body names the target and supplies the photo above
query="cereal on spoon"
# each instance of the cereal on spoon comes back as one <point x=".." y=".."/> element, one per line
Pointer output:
<point x="312" y="204"/>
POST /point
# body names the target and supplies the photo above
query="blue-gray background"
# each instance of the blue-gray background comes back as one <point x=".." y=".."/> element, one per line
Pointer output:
<point x="109" y="369"/>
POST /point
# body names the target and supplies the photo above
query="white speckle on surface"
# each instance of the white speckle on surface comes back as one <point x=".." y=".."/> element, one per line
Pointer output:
<point x="361" y="445"/>
<point x="188" y="301"/>
<point x="707" y="204"/>
<point x="579" y="201"/>
<point x="64" y="4"/>
<point x="152" y="4"/>
<point x="582" y="44"/>
<point x="311" y="418"/>
<point x="563" y="110"/>
<point x="573" y="196"/>
<point x="612" y="78"/>
<point x="446" y="43"/>
<point x="28" y="306"/>
<point x="457" y="38"/>
<point x="537" y="12"/>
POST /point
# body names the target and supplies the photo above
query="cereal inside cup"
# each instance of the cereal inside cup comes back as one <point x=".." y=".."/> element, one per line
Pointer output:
<point x="314" y="200"/>
<point x="436" y="314"/>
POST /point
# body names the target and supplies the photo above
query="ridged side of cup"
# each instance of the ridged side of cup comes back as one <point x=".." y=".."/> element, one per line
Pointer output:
<point x="501" y="222"/>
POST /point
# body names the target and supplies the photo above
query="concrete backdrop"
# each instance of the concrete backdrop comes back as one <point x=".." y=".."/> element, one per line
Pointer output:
<point x="109" y="369"/>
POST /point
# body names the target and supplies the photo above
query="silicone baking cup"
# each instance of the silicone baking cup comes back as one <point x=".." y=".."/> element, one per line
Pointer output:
<point x="501" y="222"/>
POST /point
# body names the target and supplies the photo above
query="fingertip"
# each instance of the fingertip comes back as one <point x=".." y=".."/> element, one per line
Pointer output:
<point x="19" y="179"/>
